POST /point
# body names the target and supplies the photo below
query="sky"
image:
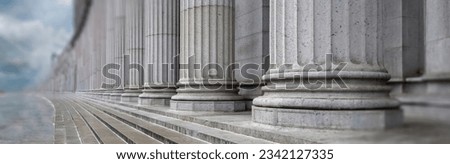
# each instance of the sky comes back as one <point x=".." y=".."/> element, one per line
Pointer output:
<point x="30" y="32"/>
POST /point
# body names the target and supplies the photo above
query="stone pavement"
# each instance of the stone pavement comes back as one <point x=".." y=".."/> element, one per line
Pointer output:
<point x="80" y="120"/>
<point x="88" y="120"/>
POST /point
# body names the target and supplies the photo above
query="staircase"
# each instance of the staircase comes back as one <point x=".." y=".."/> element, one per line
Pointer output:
<point x="83" y="120"/>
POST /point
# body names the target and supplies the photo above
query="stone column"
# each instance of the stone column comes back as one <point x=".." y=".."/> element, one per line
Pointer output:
<point x="134" y="13"/>
<point x="207" y="45"/>
<point x="252" y="47"/>
<point x="101" y="30"/>
<point x="97" y="27"/>
<point x="161" y="49"/>
<point x="110" y="17"/>
<point x="95" y="49"/>
<point x="345" y="89"/>
<point x="92" y="52"/>
<point x="119" y="47"/>
<point x="431" y="100"/>
<point x="403" y="42"/>
<point x="437" y="47"/>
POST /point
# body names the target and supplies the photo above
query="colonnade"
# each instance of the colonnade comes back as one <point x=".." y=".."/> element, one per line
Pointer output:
<point x="327" y="64"/>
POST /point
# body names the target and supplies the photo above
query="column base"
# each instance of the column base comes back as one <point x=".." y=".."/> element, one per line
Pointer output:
<point x="397" y="87"/>
<point x="428" y="111"/>
<point x="216" y="106"/>
<point x="154" y="102"/>
<point x="116" y="95"/>
<point x="131" y="96"/>
<point x="157" y="96"/>
<point x="328" y="119"/>
<point x="106" y="96"/>
<point x="217" y="98"/>
<point x="427" y="100"/>
<point x="250" y="92"/>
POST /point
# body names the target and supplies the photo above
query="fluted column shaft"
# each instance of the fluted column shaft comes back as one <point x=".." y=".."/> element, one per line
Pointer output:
<point x="206" y="57"/>
<point x="162" y="40"/>
<point x="92" y="56"/>
<point x="119" y="47"/>
<point x="326" y="67"/>
<point x="437" y="40"/>
<point x="99" y="31"/>
<point x="134" y="13"/>
<point x="110" y="17"/>
<point x="94" y="46"/>
<point x="428" y="98"/>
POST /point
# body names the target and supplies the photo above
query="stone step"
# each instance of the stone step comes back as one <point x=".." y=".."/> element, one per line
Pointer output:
<point x="245" y="127"/>
<point x="60" y="130"/>
<point x="163" y="134"/>
<point x="71" y="132"/>
<point x="101" y="131"/>
<point x="86" y="135"/>
<point x="129" y="134"/>
<point x="208" y="134"/>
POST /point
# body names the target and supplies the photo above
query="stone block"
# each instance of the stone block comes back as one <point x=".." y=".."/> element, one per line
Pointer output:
<point x="328" y="119"/>
<point x="154" y="102"/>
<point x="216" y="106"/>
<point x="131" y="96"/>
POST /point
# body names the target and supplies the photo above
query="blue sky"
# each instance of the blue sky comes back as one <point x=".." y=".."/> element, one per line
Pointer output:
<point x="30" y="32"/>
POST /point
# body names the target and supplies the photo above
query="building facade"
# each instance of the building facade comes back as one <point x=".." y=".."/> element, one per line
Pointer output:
<point x="327" y="64"/>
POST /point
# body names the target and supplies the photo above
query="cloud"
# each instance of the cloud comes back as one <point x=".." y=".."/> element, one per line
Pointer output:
<point x="30" y="32"/>
<point x="64" y="2"/>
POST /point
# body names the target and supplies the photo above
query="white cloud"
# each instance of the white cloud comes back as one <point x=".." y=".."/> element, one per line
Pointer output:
<point x="64" y="2"/>
<point x="35" y="40"/>
<point x="30" y="32"/>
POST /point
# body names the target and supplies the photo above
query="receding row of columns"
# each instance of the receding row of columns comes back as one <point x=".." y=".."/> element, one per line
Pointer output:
<point x="326" y="59"/>
<point x="162" y="44"/>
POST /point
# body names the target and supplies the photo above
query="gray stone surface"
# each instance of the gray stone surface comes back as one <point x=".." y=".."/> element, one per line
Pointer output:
<point x="403" y="37"/>
<point x="134" y="47"/>
<point x="86" y="136"/>
<point x="200" y="81"/>
<point x="147" y="100"/>
<point x="128" y="133"/>
<point x="209" y="134"/>
<point x="340" y="33"/>
<point x="162" y="134"/>
<point x="162" y="45"/>
<point x="131" y="95"/>
<point x="402" y="42"/>
<point x="220" y="106"/>
<point x="30" y="119"/>
<point x="252" y="46"/>
<point x="428" y="98"/>
<point x="412" y="131"/>
<point x="323" y="119"/>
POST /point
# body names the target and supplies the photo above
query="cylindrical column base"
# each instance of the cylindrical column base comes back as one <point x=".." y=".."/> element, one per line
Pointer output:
<point x="131" y="95"/>
<point x="116" y="95"/>
<point x="157" y="96"/>
<point x="359" y="101"/>
<point x="207" y="98"/>
<point x="328" y="119"/>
